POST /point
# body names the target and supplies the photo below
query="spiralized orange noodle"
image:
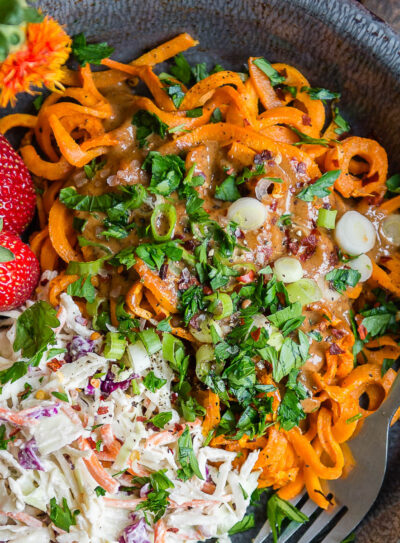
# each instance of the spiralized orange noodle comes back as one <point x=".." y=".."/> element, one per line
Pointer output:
<point x="238" y="211"/>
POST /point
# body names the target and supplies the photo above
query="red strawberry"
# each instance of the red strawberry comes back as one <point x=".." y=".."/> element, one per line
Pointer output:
<point x="19" y="271"/>
<point x="17" y="195"/>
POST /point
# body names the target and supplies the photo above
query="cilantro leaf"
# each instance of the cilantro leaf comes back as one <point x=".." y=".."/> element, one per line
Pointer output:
<point x="319" y="189"/>
<point x="148" y="123"/>
<point x="167" y="172"/>
<point x="125" y="257"/>
<point x="175" y="92"/>
<point x="61" y="515"/>
<point x="83" y="288"/>
<point x="379" y="320"/>
<point x="89" y="52"/>
<point x="246" y="523"/>
<point x="200" y="72"/>
<point x="34" y="330"/>
<point x="152" y="382"/>
<point x="100" y="491"/>
<point x="269" y="71"/>
<point x="187" y="458"/>
<point x="393" y="183"/>
<point x="342" y="126"/>
<point x="191" y="301"/>
<point x="92" y="168"/>
<point x="216" y="116"/>
<point x="227" y="190"/>
<point x="153" y="254"/>
<point x="285" y="220"/>
<point x="157" y="500"/>
<point x="3" y="441"/>
<point x="342" y="278"/>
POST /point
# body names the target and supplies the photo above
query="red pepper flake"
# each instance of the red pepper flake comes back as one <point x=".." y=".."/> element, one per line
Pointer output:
<point x="362" y="331"/>
<point x="385" y="259"/>
<point x="91" y="442"/>
<point x="141" y="419"/>
<point x="262" y="157"/>
<point x="247" y="278"/>
<point x="173" y="530"/>
<point x="164" y="271"/>
<point x="306" y="120"/>
<point x="178" y="427"/>
<point x="174" y="397"/>
<point x="273" y="205"/>
<point x="76" y="407"/>
<point x="55" y="364"/>
<point x="333" y="258"/>
<point x="256" y="334"/>
<point x="293" y="246"/>
<point x="338" y="334"/>
<point x="207" y="290"/>
<point x="102" y="410"/>
<point x="335" y="349"/>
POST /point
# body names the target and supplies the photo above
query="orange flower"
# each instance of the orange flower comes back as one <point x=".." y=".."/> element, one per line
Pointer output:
<point x="38" y="63"/>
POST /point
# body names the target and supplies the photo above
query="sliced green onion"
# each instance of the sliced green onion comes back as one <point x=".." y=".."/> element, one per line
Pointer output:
<point x="288" y="269"/>
<point x="163" y="218"/>
<point x="391" y="228"/>
<point x="242" y="266"/>
<point x="327" y="218"/>
<point x="221" y="305"/>
<point x="115" y="345"/>
<point x="85" y="268"/>
<point x="135" y="387"/>
<point x="173" y="350"/>
<point x="276" y="340"/>
<point x="305" y="291"/>
<point x="93" y="310"/>
<point x="203" y="332"/>
<point x="204" y="356"/>
<point x="188" y="257"/>
<point x="150" y="340"/>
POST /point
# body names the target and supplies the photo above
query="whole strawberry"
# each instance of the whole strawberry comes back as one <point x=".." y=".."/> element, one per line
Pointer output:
<point x="19" y="271"/>
<point x="17" y="194"/>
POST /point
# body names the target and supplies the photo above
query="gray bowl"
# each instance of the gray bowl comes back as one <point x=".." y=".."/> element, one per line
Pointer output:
<point x="337" y="44"/>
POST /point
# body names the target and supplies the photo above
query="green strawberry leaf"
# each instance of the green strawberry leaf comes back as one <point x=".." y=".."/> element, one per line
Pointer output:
<point x="6" y="255"/>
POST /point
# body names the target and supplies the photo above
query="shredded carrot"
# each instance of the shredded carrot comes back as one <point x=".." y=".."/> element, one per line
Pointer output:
<point x="60" y="228"/>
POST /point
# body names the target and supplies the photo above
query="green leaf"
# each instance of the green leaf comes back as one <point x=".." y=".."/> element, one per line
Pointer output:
<point x="378" y="320"/>
<point x="100" y="491"/>
<point x="280" y="318"/>
<point x="82" y="288"/>
<point x="342" y="126"/>
<point x="125" y="257"/>
<point x="34" y="330"/>
<point x="319" y="189"/>
<point x="93" y="167"/>
<point x="175" y="92"/>
<point x="152" y="382"/>
<point x="187" y="458"/>
<point x="269" y="71"/>
<point x="3" y="441"/>
<point x="194" y="113"/>
<point x="6" y="255"/>
<point x="161" y="419"/>
<point x="386" y="365"/>
<point x="317" y="93"/>
<point x="216" y="116"/>
<point x="148" y="123"/>
<point x="62" y="515"/>
<point x="227" y="190"/>
<point x="304" y="138"/>
<point x="191" y="301"/>
<point x="200" y="72"/>
<point x="278" y="510"/>
<point x="38" y="101"/>
<point x="13" y="373"/>
<point x="167" y="172"/>
<point x="285" y="220"/>
<point x="246" y="523"/>
<point x="60" y="396"/>
<point x="181" y="69"/>
<point x="154" y="254"/>
<point x="83" y="202"/>
<point x="342" y="278"/>
<point x="89" y="52"/>
<point x="393" y="183"/>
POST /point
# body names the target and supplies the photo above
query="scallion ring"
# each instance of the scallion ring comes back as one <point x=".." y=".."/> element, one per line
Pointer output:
<point x="115" y="345"/>
<point x="221" y="305"/>
<point x="163" y="221"/>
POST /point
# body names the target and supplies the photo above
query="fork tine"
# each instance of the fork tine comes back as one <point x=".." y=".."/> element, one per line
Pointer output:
<point x="308" y="509"/>
<point x="266" y="529"/>
<point x="342" y="529"/>
<point x="318" y="525"/>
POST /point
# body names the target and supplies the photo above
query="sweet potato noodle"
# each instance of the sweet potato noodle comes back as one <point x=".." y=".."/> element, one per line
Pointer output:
<point x="178" y="208"/>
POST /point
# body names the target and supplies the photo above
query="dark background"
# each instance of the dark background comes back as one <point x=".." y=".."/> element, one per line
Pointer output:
<point x="388" y="10"/>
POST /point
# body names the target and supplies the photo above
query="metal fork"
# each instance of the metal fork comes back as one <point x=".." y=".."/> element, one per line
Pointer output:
<point x="355" y="494"/>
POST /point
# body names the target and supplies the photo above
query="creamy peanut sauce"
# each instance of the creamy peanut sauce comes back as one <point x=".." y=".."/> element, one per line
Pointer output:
<point x="315" y="248"/>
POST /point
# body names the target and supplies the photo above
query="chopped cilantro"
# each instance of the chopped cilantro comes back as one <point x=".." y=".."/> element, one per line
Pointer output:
<point x="154" y="254"/>
<point x="100" y="491"/>
<point x="320" y="188"/>
<point x="187" y="458"/>
<point x="61" y="515"/>
<point x="167" y="172"/>
<point x="82" y="288"/>
<point x="227" y="190"/>
<point x="304" y="138"/>
<point x="92" y="168"/>
<point x="152" y="382"/>
<point x="317" y="93"/>
<point x="89" y="52"/>
<point x="342" y="126"/>
<point x="246" y="523"/>
<point x="269" y="71"/>
<point x="279" y="509"/>
<point x="148" y="123"/>
<point x="342" y="278"/>
<point x="161" y="419"/>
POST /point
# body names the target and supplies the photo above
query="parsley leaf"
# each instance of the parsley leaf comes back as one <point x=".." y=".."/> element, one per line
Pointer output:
<point x="379" y="320"/>
<point x="342" y="126"/>
<point x="167" y="172"/>
<point x="269" y="71"/>
<point x="82" y="288"/>
<point x="152" y="382"/>
<point x="191" y="302"/>
<point x="227" y="190"/>
<point x="92" y="168"/>
<point x="100" y="491"/>
<point x="34" y="330"/>
<point x="125" y="257"/>
<point x="393" y="183"/>
<point x="161" y="419"/>
<point x="187" y="458"/>
<point x="157" y="500"/>
<point x="285" y="220"/>
<point x="131" y="196"/>
<point x="153" y="254"/>
<point x="62" y="515"/>
<point x="317" y="93"/>
<point x="319" y="189"/>
<point x="181" y="69"/>
<point x="342" y="278"/>
<point x="148" y="123"/>
<point x="60" y="396"/>
<point x="278" y="510"/>
<point x="3" y="441"/>
<point x="89" y="52"/>
<point x="216" y="116"/>
<point x="246" y="523"/>
<point x="304" y="138"/>
<point x="13" y="373"/>
<point x="175" y="92"/>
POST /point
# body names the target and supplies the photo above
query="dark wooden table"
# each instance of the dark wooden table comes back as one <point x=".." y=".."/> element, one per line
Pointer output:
<point x="388" y="10"/>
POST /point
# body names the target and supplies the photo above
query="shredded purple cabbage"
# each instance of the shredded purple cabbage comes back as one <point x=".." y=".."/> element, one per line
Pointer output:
<point x="109" y="385"/>
<point x="135" y="533"/>
<point x="48" y="411"/>
<point x="78" y="347"/>
<point x="145" y="490"/>
<point x="28" y="456"/>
